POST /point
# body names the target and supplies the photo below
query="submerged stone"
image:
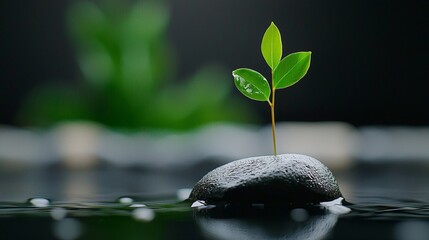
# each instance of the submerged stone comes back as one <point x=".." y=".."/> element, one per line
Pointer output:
<point x="283" y="179"/>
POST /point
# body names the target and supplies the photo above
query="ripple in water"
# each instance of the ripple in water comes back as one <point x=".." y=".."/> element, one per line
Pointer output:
<point x="395" y="218"/>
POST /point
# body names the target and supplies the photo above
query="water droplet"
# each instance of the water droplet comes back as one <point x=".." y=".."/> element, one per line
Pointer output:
<point x="144" y="214"/>
<point x="336" y="207"/>
<point x="242" y="81"/>
<point x="126" y="200"/>
<point x="58" y="213"/>
<point x="39" y="202"/>
<point x="337" y="201"/>
<point x="137" y="205"/>
<point x="198" y="204"/>
<point x="339" y="209"/>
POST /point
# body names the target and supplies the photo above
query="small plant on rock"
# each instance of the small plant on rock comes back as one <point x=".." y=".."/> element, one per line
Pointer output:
<point x="284" y="73"/>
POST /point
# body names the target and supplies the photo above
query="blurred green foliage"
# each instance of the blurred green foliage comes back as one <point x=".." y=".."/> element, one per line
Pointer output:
<point x="128" y="75"/>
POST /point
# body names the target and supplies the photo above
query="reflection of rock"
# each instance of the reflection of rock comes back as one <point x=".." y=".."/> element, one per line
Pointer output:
<point x="287" y="178"/>
<point x="257" y="226"/>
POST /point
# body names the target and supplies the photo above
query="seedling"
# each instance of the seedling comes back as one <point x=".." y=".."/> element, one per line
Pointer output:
<point x="284" y="73"/>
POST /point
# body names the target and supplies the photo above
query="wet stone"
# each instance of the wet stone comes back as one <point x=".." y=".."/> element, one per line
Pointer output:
<point x="283" y="179"/>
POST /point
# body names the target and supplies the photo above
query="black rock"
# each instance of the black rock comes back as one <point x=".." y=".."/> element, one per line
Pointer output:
<point x="283" y="179"/>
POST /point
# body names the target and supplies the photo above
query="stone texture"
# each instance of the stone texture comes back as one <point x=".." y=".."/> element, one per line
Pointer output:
<point x="282" y="179"/>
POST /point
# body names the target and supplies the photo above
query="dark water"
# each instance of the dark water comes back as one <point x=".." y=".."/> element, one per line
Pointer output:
<point x="388" y="202"/>
<point x="399" y="219"/>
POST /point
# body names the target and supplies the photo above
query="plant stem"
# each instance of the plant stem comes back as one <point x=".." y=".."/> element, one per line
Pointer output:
<point x="273" y="125"/>
<point x="273" y="120"/>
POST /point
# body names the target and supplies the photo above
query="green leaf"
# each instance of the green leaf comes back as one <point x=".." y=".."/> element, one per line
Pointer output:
<point x="271" y="46"/>
<point x="252" y="84"/>
<point x="291" y="69"/>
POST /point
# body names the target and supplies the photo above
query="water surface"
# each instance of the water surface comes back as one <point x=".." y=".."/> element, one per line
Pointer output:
<point x="387" y="202"/>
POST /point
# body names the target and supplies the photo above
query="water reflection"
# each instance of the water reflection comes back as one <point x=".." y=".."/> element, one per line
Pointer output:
<point x="144" y="214"/>
<point x="58" y="213"/>
<point x="226" y="223"/>
<point x="67" y="229"/>
<point x="417" y="230"/>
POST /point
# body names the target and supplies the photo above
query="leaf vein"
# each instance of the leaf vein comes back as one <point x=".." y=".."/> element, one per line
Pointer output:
<point x="281" y="79"/>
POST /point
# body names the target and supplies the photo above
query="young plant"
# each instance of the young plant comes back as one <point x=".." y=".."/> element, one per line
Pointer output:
<point x="284" y="73"/>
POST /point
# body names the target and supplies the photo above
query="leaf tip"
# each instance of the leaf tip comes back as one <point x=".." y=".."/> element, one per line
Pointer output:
<point x="236" y="70"/>
<point x="272" y="24"/>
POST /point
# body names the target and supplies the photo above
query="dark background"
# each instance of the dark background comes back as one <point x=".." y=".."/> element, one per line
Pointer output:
<point x="369" y="62"/>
